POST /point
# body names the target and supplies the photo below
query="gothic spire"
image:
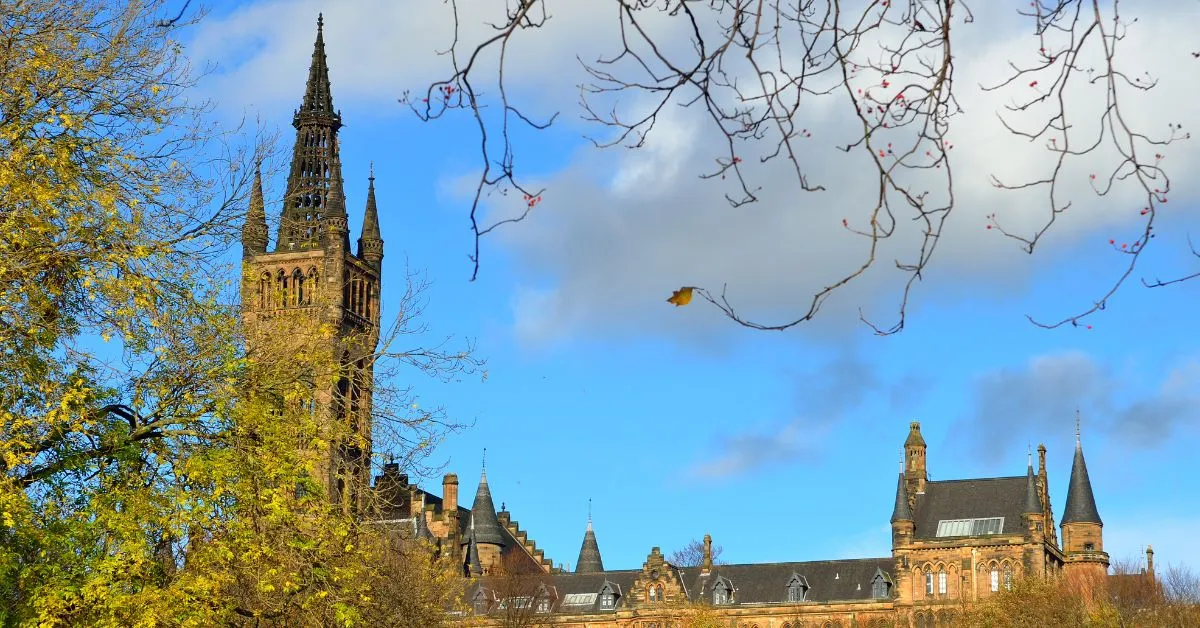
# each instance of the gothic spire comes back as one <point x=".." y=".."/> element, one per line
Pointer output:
<point x="317" y="96"/>
<point x="901" y="511"/>
<point x="370" y="244"/>
<point x="589" y="553"/>
<point x="485" y="524"/>
<point x="254" y="231"/>
<point x="1081" y="503"/>
<point x="421" y="527"/>
<point x="313" y="159"/>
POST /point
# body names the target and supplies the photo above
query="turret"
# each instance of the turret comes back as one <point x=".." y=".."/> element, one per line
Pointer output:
<point x="254" y="231"/>
<point x="485" y="527"/>
<point x="1082" y="529"/>
<point x="370" y="244"/>
<point x="915" y="474"/>
<point x="1032" y="514"/>
<point x="902" y="516"/>
<point x="589" y="553"/>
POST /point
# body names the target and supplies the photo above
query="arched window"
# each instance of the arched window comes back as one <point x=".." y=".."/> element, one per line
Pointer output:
<point x="653" y="593"/>
<point x="265" y="291"/>
<point x="298" y="288"/>
<point x="941" y="581"/>
<point x="313" y="285"/>
<point x="928" y="582"/>
<point x="283" y="288"/>
<point x="995" y="579"/>
<point x="1008" y="577"/>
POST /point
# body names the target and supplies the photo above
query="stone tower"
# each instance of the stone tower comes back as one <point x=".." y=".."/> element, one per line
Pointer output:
<point x="1082" y="530"/>
<point x="915" y="473"/>
<point x="313" y="286"/>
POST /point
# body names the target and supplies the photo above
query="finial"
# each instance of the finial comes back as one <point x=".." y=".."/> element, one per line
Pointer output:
<point x="485" y="459"/>
<point x="1076" y="427"/>
<point x="371" y="176"/>
<point x="901" y="460"/>
<point x="502" y="507"/>
<point x="589" y="510"/>
<point x="320" y="22"/>
<point x="1029" y="452"/>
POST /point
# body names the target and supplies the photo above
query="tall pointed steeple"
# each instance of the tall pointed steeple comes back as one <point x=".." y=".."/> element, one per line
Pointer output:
<point x="317" y="95"/>
<point x="309" y="180"/>
<point x="472" y="565"/>
<point x="1081" y="503"/>
<point x="589" y="553"/>
<point x="370" y="244"/>
<point x="254" y="231"/>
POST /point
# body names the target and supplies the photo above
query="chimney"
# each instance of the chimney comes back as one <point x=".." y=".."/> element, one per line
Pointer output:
<point x="450" y="504"/>
<point x="706" y="563"/>
<point x="1150" y="560"/>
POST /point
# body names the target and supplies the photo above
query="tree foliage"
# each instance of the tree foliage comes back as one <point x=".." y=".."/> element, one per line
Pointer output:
<point x="760" y="74"/>
<point x="152" y="471"/>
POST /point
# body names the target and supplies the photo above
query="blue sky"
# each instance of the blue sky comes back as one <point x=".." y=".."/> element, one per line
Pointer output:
<point x="675" y="422"/>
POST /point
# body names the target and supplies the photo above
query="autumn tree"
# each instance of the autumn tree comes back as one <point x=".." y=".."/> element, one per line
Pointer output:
<point x="692" y="554"/>
<point x="152" y="471"/>
<point x="760" y="78"/>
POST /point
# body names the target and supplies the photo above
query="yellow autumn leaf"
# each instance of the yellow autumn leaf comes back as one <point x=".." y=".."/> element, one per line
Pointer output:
<point x="682" y="296"/>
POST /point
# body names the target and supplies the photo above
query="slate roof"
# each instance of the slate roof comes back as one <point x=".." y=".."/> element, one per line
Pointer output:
<point x="766" y="583"/>
<point x="968" y="499"/>
<point x="901" y="511"/>
<point x="1081" y="503"/>
<point x="589" y="553"/>
<point x="487" y="525"/>
<point x="561" y="585"/>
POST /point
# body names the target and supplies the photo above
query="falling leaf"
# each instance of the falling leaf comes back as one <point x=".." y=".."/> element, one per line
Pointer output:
<point x="682" y="296"/>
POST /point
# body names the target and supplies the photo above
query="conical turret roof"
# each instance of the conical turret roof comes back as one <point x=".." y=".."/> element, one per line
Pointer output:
<point x="1081" y="503"/>
<point x="589" y="553"/>
<point x="483" y="514"/>
<point x="901" y="511"/>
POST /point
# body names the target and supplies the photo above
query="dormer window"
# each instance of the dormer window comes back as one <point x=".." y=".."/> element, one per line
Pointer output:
<point x="608" y="596"/>
<point x="797" y="588"/>
<point x="479" y="603"/>
<point x="543" y="605"/>
<point x="879" y="586"/>
<point x="722" y="592"/>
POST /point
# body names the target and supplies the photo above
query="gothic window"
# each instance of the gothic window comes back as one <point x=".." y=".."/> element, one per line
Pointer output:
<point x="929" y="583"/>
<point x="1008" y="578"/>
<point x="283" y="287"/>
<point x="265" y="291"/>
<point x="313" y="276"/>
<point x="941" y="578"/>
<point x="995" y="579"/>
<point x="298" y="287"/>
<point x="653" y="593"/>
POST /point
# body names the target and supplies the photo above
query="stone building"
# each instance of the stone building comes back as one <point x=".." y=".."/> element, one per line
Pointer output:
<point x="953" y="541"/>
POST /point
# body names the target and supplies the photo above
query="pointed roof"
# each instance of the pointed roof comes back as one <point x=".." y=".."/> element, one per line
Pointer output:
<point x="589" y="553"/>
<point x="901" y="511"/>
<point x="421" y="527"/>
<point x="370" y="241"/>
<point x="473" y="566"/>
<point x="254" y="232"/>
<point x="1033" y="505"/>
<point x="914" y="435"/>
<point x="318" y="98"/>
<point x="485" y="524"/>
<point x="1081" y="503"/>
